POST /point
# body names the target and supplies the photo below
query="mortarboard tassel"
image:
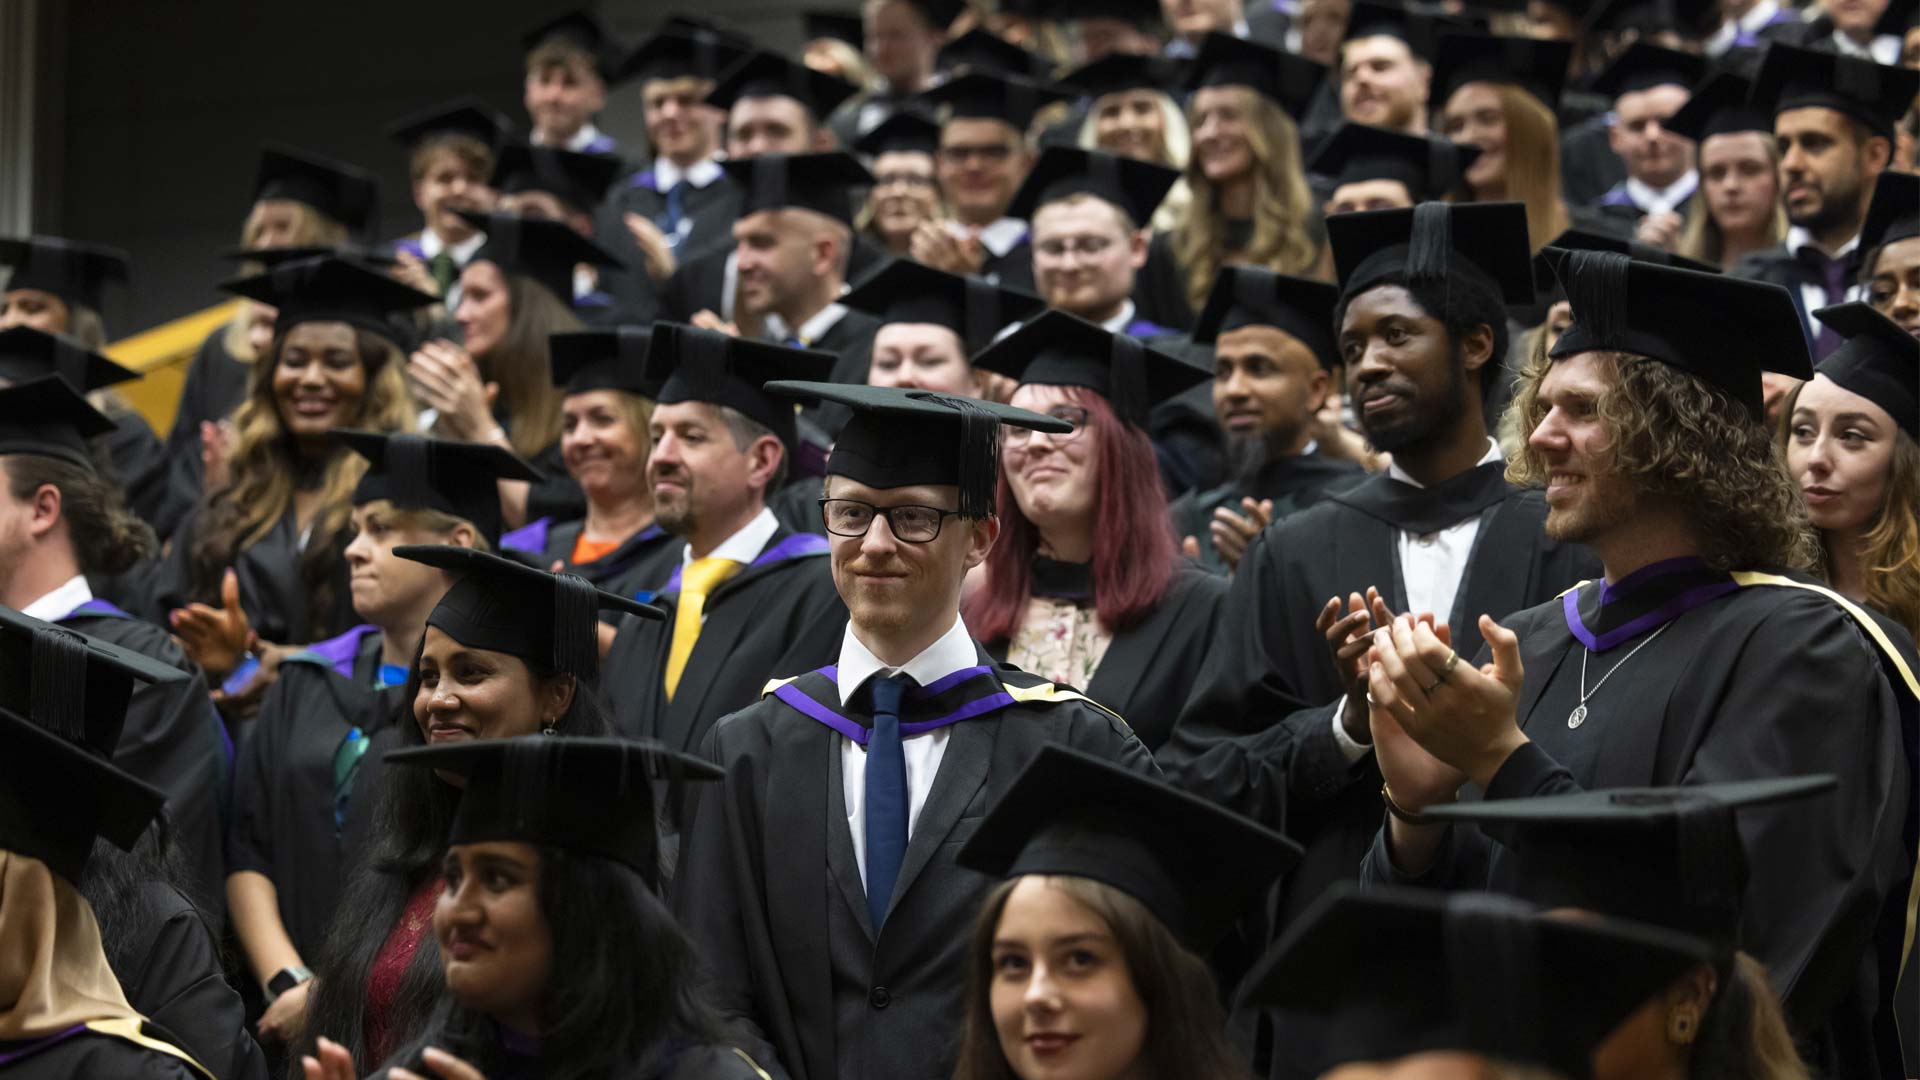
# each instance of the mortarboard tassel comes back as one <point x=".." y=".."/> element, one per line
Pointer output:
<point x="1711" y="857"/>
<point x="1430" y="248"/>
<point x="981" y="316"/>
<point x="59" y="701"/>
<point x="1596" y="283"/>
<point x="1489" y="940"/>
<point x="70" y="362"/>
<point x="576" y="618"/>
<point x="979" y="455"/>
<point x="769" y="181"/>
<point x="1128" y="389"/>
<point x="409" y="470"/>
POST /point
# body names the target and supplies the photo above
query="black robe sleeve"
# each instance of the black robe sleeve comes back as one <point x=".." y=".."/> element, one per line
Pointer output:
<point x="182" y="988"/>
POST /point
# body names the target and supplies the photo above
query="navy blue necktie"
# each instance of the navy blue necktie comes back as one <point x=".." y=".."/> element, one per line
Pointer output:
<point x="886" y="802"/>
<point x="669" y="220"/>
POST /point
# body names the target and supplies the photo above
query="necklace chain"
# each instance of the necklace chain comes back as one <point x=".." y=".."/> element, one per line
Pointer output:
<point x="1579" y="714"/>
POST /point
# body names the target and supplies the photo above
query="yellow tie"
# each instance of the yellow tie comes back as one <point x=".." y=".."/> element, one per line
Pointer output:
<point x="696" y="581"/>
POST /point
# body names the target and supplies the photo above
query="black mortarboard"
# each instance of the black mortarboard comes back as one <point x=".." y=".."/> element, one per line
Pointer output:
<point x="1432" y="242"/>
<point x="1375" y="18"/>
<point x="75" y="272"/>
<point x="1288" y="80"/>
<point x="608" y="358"/>
<point x="587" y="796"/>
<point x="1644" y="66"/>
<point x="1117" y="72"/>
<point x="275" y="256"/>
<point x="1195" y="866"/>
<point x="579" y="180"/>
<point x="337" y="190"/>
<point x="692" y="364"/>
<point x="1429" y="166"/>
<point x="466" y="115"/>
<point x="1879" y="361"/>
<point x="839" y="25"/>
<point x="904" y="291"/>
<point x="1547" y="286"/>
<point x="1655" y="311"/>
<point x="901" y="438"/>
<point x="546" y="251"/>
<point x="987" y="96"/>
<point x="766" y="74"/>
<point x="418" y="473"/>
<point x="1391" y="972"/>
<point x="1894" y="212"/>
<point x="56" y="798"/>
<point x="683" y="51"/>
<point x="1795" y="78"/>
<point x="329" y="289"/>
<point x="498" y="604"/>
<point x="1058" y="349"/>
<point x="982" y="50"/>
<point x="1719" y="106"/>
<point x="822" y="183"/>
<point x="1536" y="66"/>
<point x="1250" y="296"/>
<point x="906" y="131"/>
<point x="583" y="31"/>
<point x="1687" y="18"/>
<point x="71" y="684"/>
<point x="1132" y="185"/>
<point x="27" y="353"/>
<point x="45" y="416"/>
<point x="1669" y="857"/>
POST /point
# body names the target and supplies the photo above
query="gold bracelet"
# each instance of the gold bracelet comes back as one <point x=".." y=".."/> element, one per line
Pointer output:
<point x="1394" y="808"/>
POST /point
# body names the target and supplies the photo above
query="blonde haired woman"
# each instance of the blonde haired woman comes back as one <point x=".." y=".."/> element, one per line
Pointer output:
<point x="1132" y="114"/>
<point x="1737" y="210"/>
<point x="1499" y="94"/>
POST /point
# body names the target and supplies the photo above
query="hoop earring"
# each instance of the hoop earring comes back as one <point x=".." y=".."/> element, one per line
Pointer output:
<point x="1681" y="1027"/>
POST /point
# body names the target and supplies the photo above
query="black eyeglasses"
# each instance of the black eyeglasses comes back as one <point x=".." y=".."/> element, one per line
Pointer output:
<point x="914" y="524"/>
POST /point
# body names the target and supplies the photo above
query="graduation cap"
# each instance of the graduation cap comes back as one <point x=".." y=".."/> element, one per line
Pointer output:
<point x="685" y="50"/>
<point x="582" y="31"/>
<point x="822" y="183"/>
<point x="73" y="685"/>
<point x="982" y="95"/>
<point x="766" y="74"/>
<point x="983" y="50"/>
<point x="1644" y="66"/>
<point x="1058" y="349"/>
<point x="337" y="190"/>
<point x="1374" y="18"/>
<point x="902" y="438"/>
<point x="497" y="605"/>
<point x="1392" y="972"/>
<point x="1132" y="185"/>
<point x="836" y="25"/>
<point x="45" y="416"/>
<point x="1300" y="307"/>
<point x="1688" y="18"/>
<point x="1433" y="242"/>
<point x="1286" y="79"/>
<point x="589" y="796"/>
<point x="27" y="354"/>
<point x="329" y="289"/>
<point x="906" y="131"/>
<point x="418" y="473"/>
<point x="610" y="358"/>
<point x="692" y="364"/>
<point x="56" y="798"/>
<point x="1878" y="360"/>
<point x="1536" y="66"/>
<point x="1645" y="309"/>
<point x="466" y="116"/>
<point x="74" y="271"/>
<point x="1196" y="866"/>
<point x="904" y="291"/>
<point x="1894" y="212"/>
<point x="1547" y="286"/>
<point x="1669" y="857"/>
<point x="546" y="251"/>
<point x="1720" y="106"/>
<point x="1116" y="73"/>
<point x="1795" y="78"/>
<point x="1429" y="166"/>
<point x="579" y="180"/>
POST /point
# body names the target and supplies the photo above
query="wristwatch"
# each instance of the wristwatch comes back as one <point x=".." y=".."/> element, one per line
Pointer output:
<point x="286" y="979"/>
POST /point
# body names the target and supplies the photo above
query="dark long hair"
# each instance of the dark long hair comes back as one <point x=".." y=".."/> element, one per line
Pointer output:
<point x="125" y="889"/>
<point x="411" y="818"/>
<point x="1744" y="1031"/>
<point x="624" y="992"/>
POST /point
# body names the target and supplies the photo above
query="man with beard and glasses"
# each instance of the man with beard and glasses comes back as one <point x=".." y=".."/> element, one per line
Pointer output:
<point x="1833" y="118"/>
<point x="750" y="599"/>
<point x="1274" y="360"/>
<point x="1646" y="423"/>
<point x="1277" y="725"/>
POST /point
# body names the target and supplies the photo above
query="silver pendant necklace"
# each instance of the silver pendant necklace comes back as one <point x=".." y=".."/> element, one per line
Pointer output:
<point x="1579" y="714"/>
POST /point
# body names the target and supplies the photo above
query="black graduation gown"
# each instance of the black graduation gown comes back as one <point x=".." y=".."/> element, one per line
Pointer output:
<point x="1160" y="288"/>
<point x="711" y="209"/>
<point x="640" y="564"/>
<point x="1293" y="483"/>
<point x="271" y="589"/>
<point x="283" y="825"/>
<point x="1765" y="680"/>
<point x="689" y="1062"/>
<point x="215" y="385"/>
<point x="1588" y="165"/>
<point x="181" y="987"/>
<point x="124" y="1050"/>
<point x="1778" y="266"/>
<point x="773" y="897"/>
<point x="1014" y="270"/>
<point x="174" y="740"/>
<point x="1186" y="433"/>
<point x="139" y="464"/>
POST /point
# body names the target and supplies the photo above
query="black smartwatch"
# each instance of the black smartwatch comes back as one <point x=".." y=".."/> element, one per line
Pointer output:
<point x="286" y="979"/>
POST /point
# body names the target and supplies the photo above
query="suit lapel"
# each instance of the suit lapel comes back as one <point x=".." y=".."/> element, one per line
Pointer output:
<point x="963" y="768"/>
<point x="1499" y="574"/>
<point x="841" y="863"/>
<point x="797" y="857"/>
<point x="1129" y="655"/>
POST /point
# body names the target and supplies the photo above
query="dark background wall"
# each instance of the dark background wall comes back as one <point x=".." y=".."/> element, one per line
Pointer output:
<point x="151" y="115"/>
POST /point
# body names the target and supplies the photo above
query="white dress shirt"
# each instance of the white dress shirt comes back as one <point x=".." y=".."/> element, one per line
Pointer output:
<point x="1813" y="295"/>
<point x="697" y="175"/>
<point x="954" y="650"/>
<point x="1754" y="21"/>
<point x="742" y="547"/>
<point x="60" y="603"/>
<point x="1664" y="200"/>
<point x="1002" y="236"/>
<point x="583" y="138"/>
<point x="1883" y="49"/>
<point x="431" y="245"/>
<point x="1118" y="324"/>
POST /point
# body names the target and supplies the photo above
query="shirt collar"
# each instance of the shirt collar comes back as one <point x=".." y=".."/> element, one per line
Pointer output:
<point x="1001" y="236"/>
<point x="1492" y="455"/>
<point x="1882" y="49"/>
<point x="823" y="320"/>
<point x="1655" y="200"/>
<point x="954" y="650"/>
<point x="1759" y="16"/>
<point x="743" y="546"/>
<point x="462" y="252"/>
<point x="1798" y="237"/>
<point x="583" y="138"/>
<point x="699" y="174"/>
<point x="61" y="602"/>
<point x="1118" y="324"/>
